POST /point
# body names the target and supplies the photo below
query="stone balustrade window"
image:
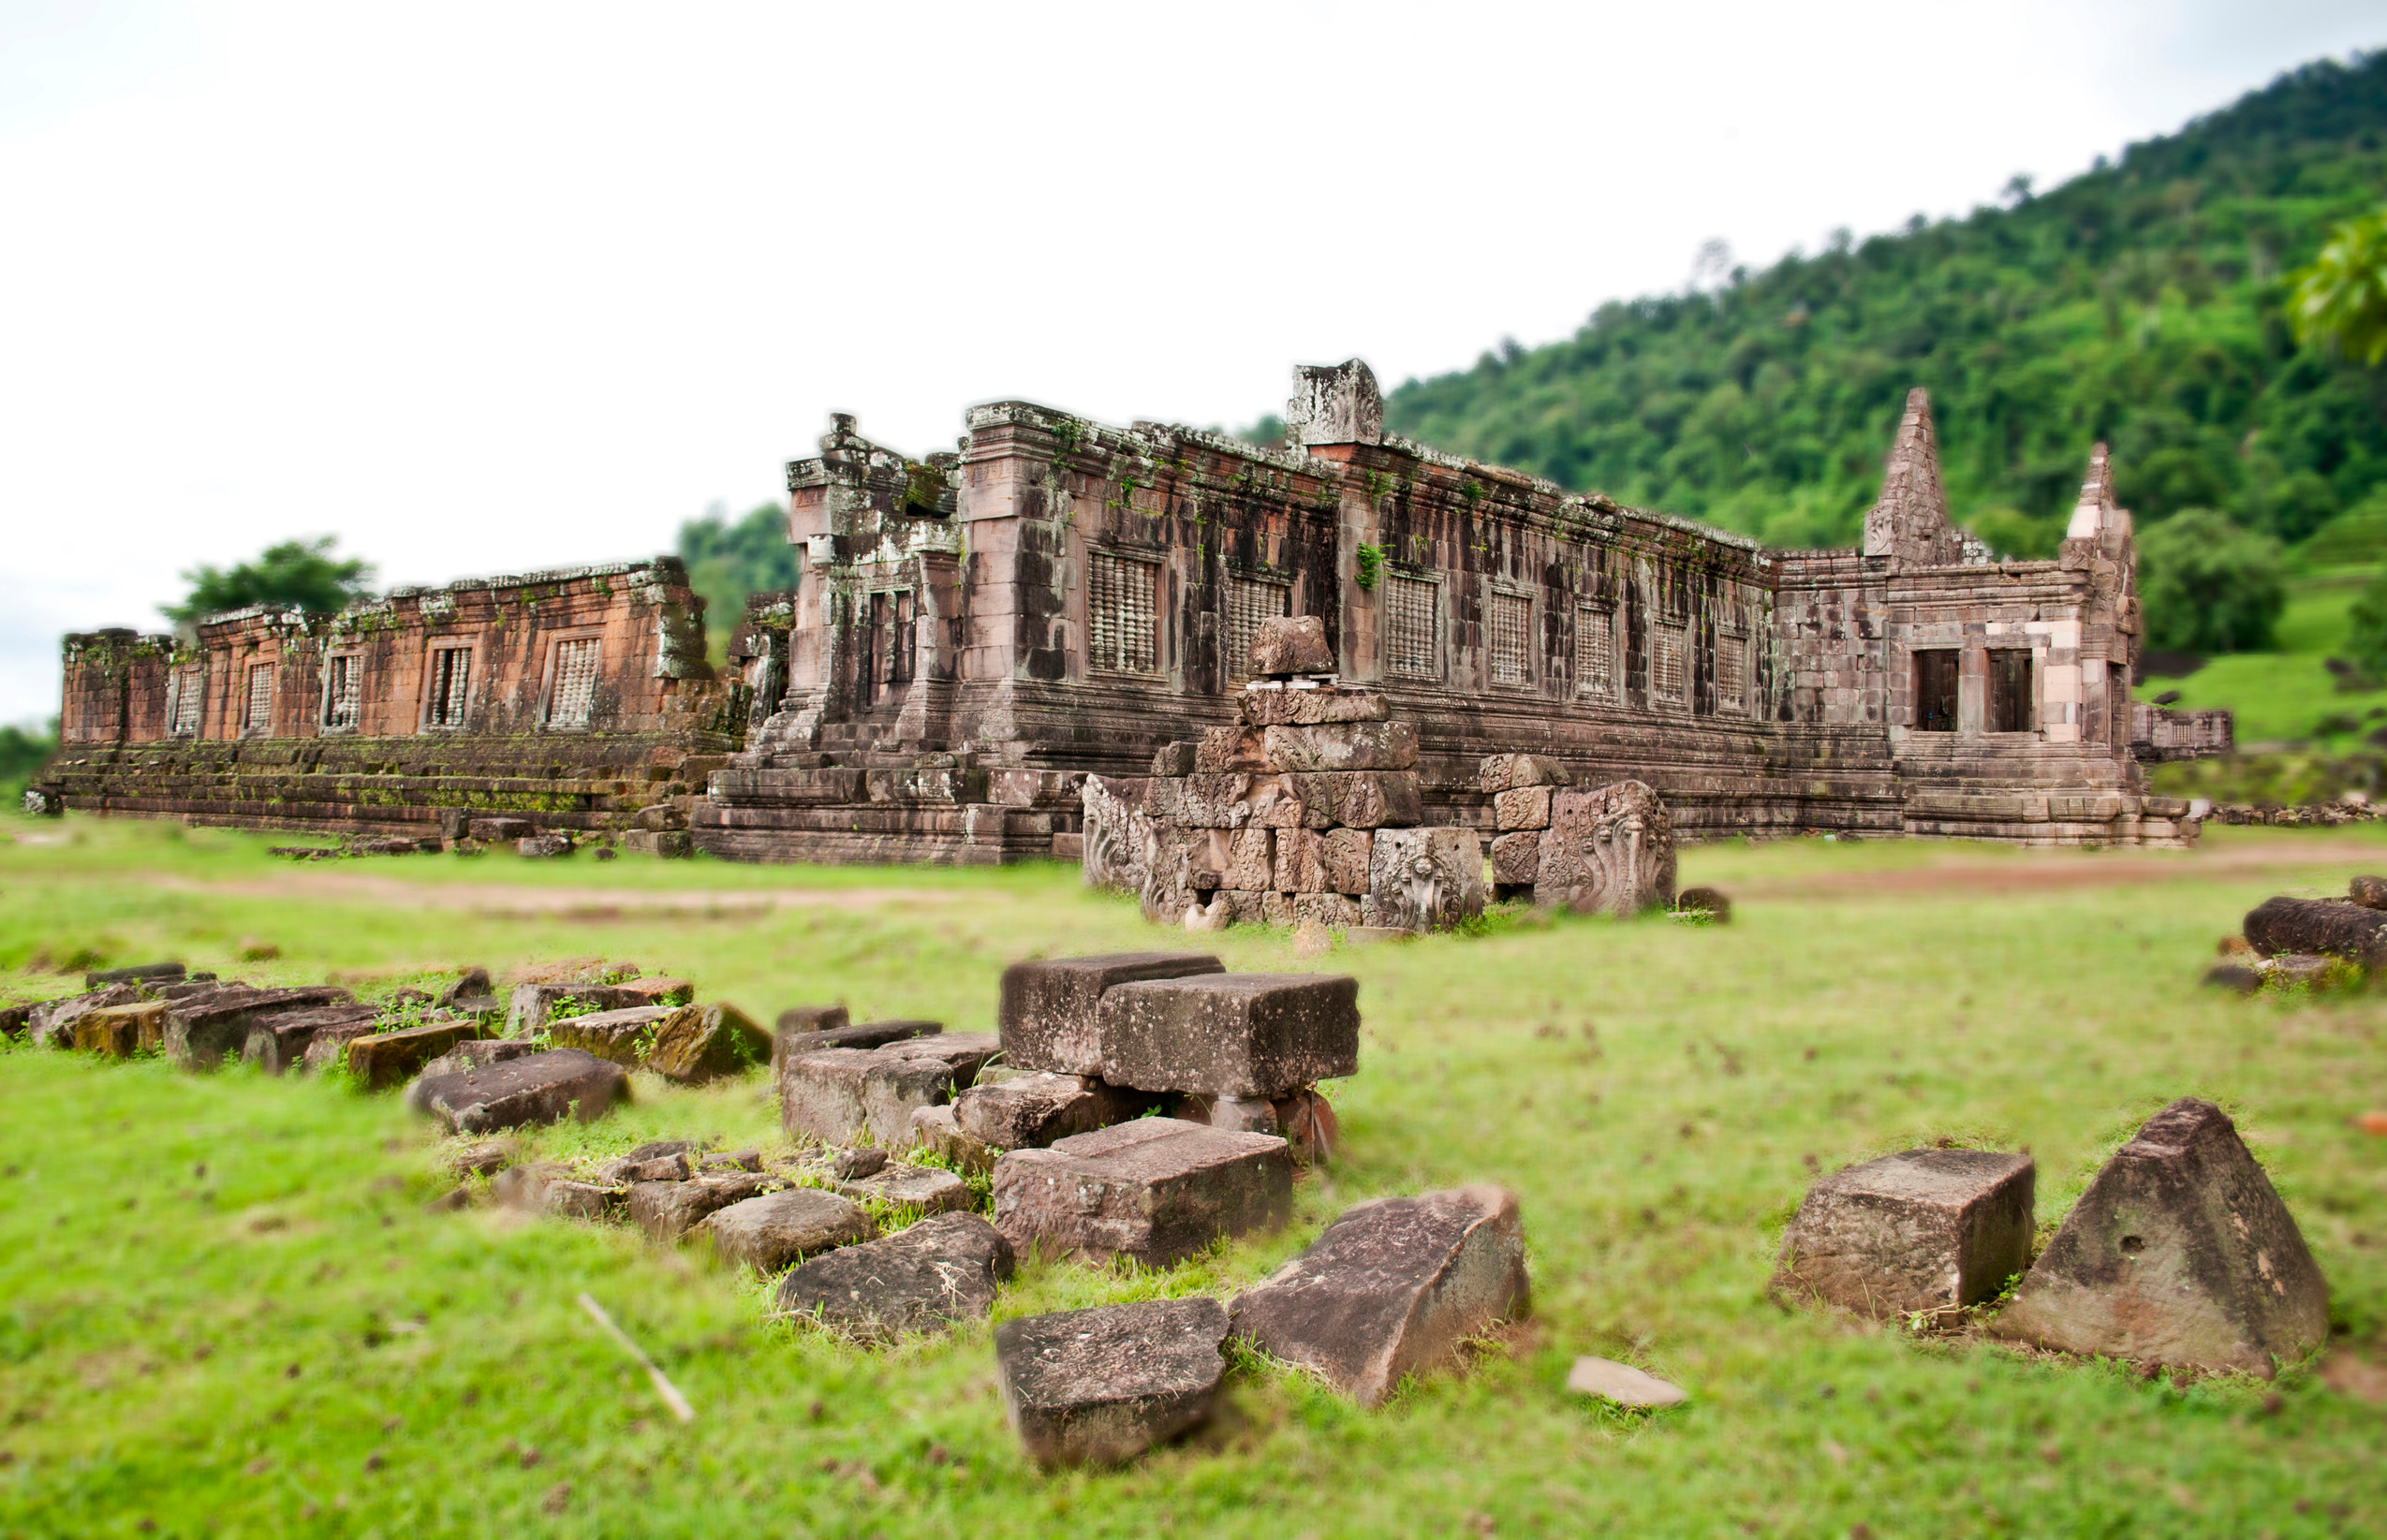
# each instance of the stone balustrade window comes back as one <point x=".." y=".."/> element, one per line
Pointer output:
<point x="1412" y="627"/>
<point x="343" y="690"/>
<point x="1511" y="634"/>
<point x="575" y="691"/>
<point x="1732" y="671"/>
<point x="448" y="699"/>
<point x="1122" y="609"/>
<point x="257" y="715"/>
<point x="188" y="685"/>
<point x="1595" y="650"/>
<point x="1668" y="678"/>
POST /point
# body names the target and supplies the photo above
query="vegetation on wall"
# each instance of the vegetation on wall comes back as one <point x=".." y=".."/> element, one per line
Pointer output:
<point x="2146" y="302"/>
<point x="294" y="574"/>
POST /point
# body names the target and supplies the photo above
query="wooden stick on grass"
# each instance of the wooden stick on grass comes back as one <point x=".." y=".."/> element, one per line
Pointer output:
<point x="663" y="1388"/>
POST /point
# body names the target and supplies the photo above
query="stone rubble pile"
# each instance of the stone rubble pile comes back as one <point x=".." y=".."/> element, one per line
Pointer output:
<point x="2179" y="1253"/>
<point x="2307" y="944"/>
<point x="1593" y="850"/>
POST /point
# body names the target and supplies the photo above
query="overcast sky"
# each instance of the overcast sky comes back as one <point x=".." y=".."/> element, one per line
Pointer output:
<point x="489" y="288"/>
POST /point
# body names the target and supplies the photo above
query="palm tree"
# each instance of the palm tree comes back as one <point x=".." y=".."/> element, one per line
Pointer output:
<point x="2342" y="297"/>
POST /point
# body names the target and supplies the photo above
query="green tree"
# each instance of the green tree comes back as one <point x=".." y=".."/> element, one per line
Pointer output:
<point x="2209" y="585"/>
<point x="24" y="751"/>
<point x="295" y="574"/>
<point x="729" y="558"/>
<point x="2341" y="299"/>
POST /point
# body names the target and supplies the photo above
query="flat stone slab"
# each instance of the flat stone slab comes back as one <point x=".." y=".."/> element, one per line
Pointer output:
<point x="667" y="1210"/>
<point x="118" y="1031"/>
<point x="1099" y="1387"/>
<point x="2179" y="1253"/>
<point x="845" y="1096"/>
<point x="477" y="1053"/>
<point x="277" y="1043"/>
<point x="779" y="1229"/>
<point x="203" y="1031"/>
<point x="925" y="1278"/>
<point x="1230" y="1035"/>
<point x="1046" y="1018"/>
<point x="937" y="1130"/>
<point x="380" y="1059"/>
<point x="538" y="1088"/>
<point x="1031" y="1110"/>
<point x="926" y="1188"/>
<point x="1622" y="1384"/>
<point x="700" y="1043"/>
<point x="1155" y="1190"/>
<point x="622" y="1037"/>
<point x="1393" y="1287"/>
<point x="1920" y="1230"/>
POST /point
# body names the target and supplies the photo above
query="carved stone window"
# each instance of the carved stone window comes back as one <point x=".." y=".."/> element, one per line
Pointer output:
<point x="1667" y="677"/>
<point x="1122" y="614"/>
<point x="1250" y="601"/>
<point x="575" y="691"/>
<point x="1412" y="627"/>
<point x="188" y="685"/>
<point x="1732" y="670"/>
<point x="1511" y="634"/>
<point x="2010" y="696"/>
<point x="1595" y="650"/>
<point x="449" y="698"/>
<point x="256" y="715"/>
<point x="1936" y="671"/>
<point x="343" y="690"/>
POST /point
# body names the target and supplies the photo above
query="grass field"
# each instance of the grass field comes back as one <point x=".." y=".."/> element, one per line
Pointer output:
<point x="2287" y="695"/>
<point x="223" y="1310"/>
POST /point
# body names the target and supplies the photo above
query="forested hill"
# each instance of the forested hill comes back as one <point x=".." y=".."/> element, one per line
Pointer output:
<point x="2140" y="303"/>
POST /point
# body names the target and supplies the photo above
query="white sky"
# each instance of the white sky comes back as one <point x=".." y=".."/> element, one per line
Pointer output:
<point x="487" y="287"/>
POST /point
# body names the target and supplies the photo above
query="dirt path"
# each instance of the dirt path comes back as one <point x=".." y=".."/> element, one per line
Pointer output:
<point x="497" y="902"/>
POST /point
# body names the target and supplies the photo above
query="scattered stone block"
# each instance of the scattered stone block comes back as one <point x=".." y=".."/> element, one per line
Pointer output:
<point x="1343" y="746"/>
<point x="51" y="1023"/>
<point x="1622" y="1384"/>
<point x="566" y="1198"/>
<point x="2370" y="892"/>
<point x="1516" y="857"/>
<point x="868" y="1161"/>
<point x="844" y="1096"/>
<point x="700" y="1043"/>
<point x="1230" y="1035"/>
<point x="1393" y="1287"/>
<point x="2179" y="1253"/>
<point x="902" y="1185"/>
<point x="1424" y="879"/>
<point x="668" y="845"/>
<point x="779" y="1229"/>
<point x="384" y="1059"/>
<point x="1157" y="1190"/>
<point x="1266" y="703"/>
<point x="667" y="1210"/>
<point x="500" y="830"/>
<point x="1034" y="1109"/>
<point x="142" y="973"/>
<point x="1101" y="1385"/>
<point x="277" y="1043"/>
<point x="538" y="1088"/>
<point x="1920" y="1230"/>
<point x="1707" y="905"/>
<point x="622" y="1037"/>
<point x="2284" y="926"/>
<point x="623" y="1170"/>
<point x="1046" y="1016"/>
<point x="2235" y="977"/>
<point x="205" y="1030"/>
<point x="863" y="1035"/>
<point x="1292" y="644"/>
<point x="1609" y="850"/>
<point x="113" y="1031"/>
<point x="1522" y="807"/>
<point x="1311" y="938"/>
<point x="484" y="1159"/>
<point x="328" y="1048"/>
<point x="1499" y="772"/>
<point x="543" y="846"/>
<point x="14" y="1019"/>
<point x="937" y="1130"/>
<point x="923" y="1277"/>
<point x="658" y="991"/>
<point x="1306" y="1120"/>
<point x="476" y="1053"/>
<point x="531" y="1006"/>
<point x="471" y="984"/>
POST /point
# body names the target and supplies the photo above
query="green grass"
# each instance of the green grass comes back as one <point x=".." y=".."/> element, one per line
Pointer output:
<point x="224" y="1312"/>
<point x="2287" y="696"/>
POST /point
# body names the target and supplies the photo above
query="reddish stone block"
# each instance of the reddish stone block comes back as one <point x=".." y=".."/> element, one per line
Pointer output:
<point x="1155" y="1190"/>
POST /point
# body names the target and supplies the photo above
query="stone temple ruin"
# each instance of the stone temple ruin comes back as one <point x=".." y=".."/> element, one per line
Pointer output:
<point x="978" y="632"/>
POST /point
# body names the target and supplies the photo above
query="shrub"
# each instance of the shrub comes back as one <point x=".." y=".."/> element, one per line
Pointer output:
<point x="2209" y="585"/>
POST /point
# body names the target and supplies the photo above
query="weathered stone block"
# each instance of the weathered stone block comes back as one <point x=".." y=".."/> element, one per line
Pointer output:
<point x="1046" y="1014"/>
<point x="538" y="1088"/>
<point x="937" y="1130"/>
<point x="384" y="1059"/>
<point x="500" y="830"/>
<point x="698" y="1043"/>
<point x="662" y="843"/>
<point x="1343" y="746"/>
<point x="1231" y="1034"/>
<point x="1522" y="807"/>
<point x="477" y="1053"/>
<point x="924" y="1278"/>
<point x="1500" y="773"/>
<point x="2370" y="892"/>
<point x="623" y="1036"/>
<point x="1621" y="1383"/>
<point x="667" y="1210"/>
<point x="1609" y="850"/>
<point x="1173" y="760"/>
<point x="2305" y="926"/>
<point x="844" y="1096"/>
<point x="115" y="1032"/>
<point x="203" y="1031"/>
<point x="1393" y="1287"/>
<point x="1113" y="853"/>
<point x="1270" y="703"/>
<point x="328" y="1048"/>
<point x="1156" y="1189"/>
<point x="1516" y="857"/>
<point x="278" y="1042"/>
<point x="1923" y="1230"/>
<point x="1034" y="1109"/>
<point x="1101" y="1385"/>
<point x="1336" y="910"/>
<point x="1222" y="750"/>
<point x="1292" y="644"/>
<point x="530" y="1006"/>
<point x="1424" y="879"/>
<point x="779" y="1229"/>
<point x="2179" y="1253"/>
<point x="901" y="1184"/>
<point x="658" y="989"/>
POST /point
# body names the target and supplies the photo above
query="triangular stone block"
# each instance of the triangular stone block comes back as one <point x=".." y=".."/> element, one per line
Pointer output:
<point x="2179" y="1253"/>
<point x="1910" y="519"/>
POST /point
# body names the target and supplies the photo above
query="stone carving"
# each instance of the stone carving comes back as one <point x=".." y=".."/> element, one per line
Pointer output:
<point x="1423" y="879"/>
<point x="1114" y="846"/>
<point x="1609" y="850"/>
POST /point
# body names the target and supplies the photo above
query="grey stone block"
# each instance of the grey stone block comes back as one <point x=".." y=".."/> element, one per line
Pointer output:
<point x="1157" y="1190"/>
<point x="1230" y="1035"/>
<point x="924" y="1278"/>
<point x="937" y="1130"/>
<point x="1046" y="1018"/>
<point x="1393" y="1287"/>
<point x="622" y="1037"/>
<point x="277" y="1043"/>
<point x="1097" y="1386"/>
<point x="1292" y="644"/>
<point x="847" y="1095"/>
<point x="905" y="1185"/>
<point x="2179" y="1253"/>
<point x="539" y="1088"/>
<point x="203" y="1031"/>
<point x="1922" y="1230"/>
<point x="695" y="1044"/>
<point x="1036" y="1109"/>
<point x="667" y="1210"/>
<point x="776" y="1229"/>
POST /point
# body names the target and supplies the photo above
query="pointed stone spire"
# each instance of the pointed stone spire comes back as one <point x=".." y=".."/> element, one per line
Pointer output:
<point x="2097" y="511"/>
<point x="1910" y="519"/>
